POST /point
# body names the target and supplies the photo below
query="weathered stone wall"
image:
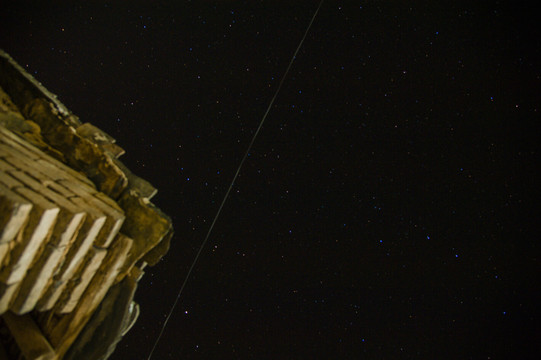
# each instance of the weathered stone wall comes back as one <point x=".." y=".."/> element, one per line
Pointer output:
<point x="74" y="221"/>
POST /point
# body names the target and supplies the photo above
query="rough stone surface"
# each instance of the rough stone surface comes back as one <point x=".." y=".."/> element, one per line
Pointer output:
<point x="145" y="223"/>
<point x="69" y="326"/>
<point x="108" y="324"/>
<point x="14" y="211"/>
<point x="74" y="255"/>
<point x="38" y="229"/>
<point x="74" y="222"/>
<point x="82" y="278"/>
<point x="80" y="153"/>
<point x="38" y="276"/>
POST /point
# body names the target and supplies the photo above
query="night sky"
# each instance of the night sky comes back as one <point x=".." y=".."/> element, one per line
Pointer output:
<point x="388" y="208"/>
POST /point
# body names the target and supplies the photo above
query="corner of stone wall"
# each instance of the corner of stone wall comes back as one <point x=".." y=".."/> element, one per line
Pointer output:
<point x="75" y="220"/>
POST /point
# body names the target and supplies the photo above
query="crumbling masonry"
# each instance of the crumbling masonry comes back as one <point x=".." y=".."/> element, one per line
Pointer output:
<point x="77" y="228"/>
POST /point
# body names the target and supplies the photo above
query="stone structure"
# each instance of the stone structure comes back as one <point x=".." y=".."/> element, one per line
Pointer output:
<point x="77" y="228"/>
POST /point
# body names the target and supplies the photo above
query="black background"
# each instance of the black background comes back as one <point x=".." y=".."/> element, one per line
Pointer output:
<point x="388" y="207"/>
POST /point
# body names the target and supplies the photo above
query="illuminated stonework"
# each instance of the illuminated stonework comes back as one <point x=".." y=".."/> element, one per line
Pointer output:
<point x="77" y="228"/>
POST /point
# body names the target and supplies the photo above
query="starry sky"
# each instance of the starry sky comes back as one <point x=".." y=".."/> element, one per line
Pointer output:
<point x="386" y="209"/>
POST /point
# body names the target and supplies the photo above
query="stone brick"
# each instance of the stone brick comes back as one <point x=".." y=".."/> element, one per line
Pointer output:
<point x="15" y="146"/>
<point x="80" y="281"/>
<point x="9" y="181"/>
<point x="80" y="152"/>
<point x="4" y="166"/>
<point x="6" y="147"/>
<point x="67" y="187"/>
<point x="106" y="199"/>
<point x="113" y="149"/>
<point x="115" y="216"/>
<point x="94" y="134"/>
<point x="39" y="227"/>
<point x="63" y="240"/>
<point x="37" y="280"/>
<point x="4" y="250"/>
<point x="145" y="223"/>
<point x="73" y="257"/>
<point x="60" y="173"/>
<point x="6" y="294"/>
<point x="66" y="330"/>
<point x="142" y="187"/>
<point x="14" y="211"/>
<point x="39" y="275"/>
<point x="32" y="183"/>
